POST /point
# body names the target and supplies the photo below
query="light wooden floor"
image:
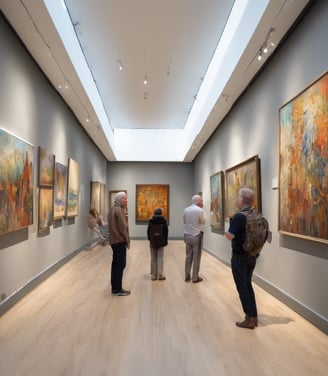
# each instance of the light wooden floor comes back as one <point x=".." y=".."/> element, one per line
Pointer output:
<point x="71" y="325"/>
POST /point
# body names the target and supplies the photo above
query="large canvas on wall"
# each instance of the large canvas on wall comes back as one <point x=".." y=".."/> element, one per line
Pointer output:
<point x="303" y="163"/>
<point x="73" y="188"/>
<point x="148" y="198"/>
<point x="245" y="174"/>
<point x="16" y="183"/>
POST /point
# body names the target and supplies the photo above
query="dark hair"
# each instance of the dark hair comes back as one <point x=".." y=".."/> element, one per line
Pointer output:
<point x="93" y="212"/>
<point x="158" y="211"/>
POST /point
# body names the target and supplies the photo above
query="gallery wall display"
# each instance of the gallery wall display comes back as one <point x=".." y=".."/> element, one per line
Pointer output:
<point x="46" y="210"/>
<point x="217" y="201"/>
<point x="60" y="191"/>
<point x="303" y="163"/>
<point x="73" y="188"/>
<point x="245" y="174"/>
<point x="16" y="183"/>
<point x="148" y="198"/>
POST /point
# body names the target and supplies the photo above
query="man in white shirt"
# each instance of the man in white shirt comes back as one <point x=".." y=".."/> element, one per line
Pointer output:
<point x="193" y="219"/>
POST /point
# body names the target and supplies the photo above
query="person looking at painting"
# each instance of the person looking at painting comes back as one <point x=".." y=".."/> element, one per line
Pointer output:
<point x="157" y="234"/>
<point x="119" y="240"/>
<point x="96" y="224"/>
<point x="193" y="219"/>
<point x="242" y="264"/>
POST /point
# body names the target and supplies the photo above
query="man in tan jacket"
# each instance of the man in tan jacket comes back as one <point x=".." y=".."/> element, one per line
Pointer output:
<point x="119" y="239"/>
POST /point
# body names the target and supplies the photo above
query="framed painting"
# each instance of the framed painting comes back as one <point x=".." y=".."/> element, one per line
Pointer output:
<point x="148" y="198"/>
<point x="60" y="191"/>
<point x="46" y="210"/>
<point x="95" y="195"/>
<point x="217" y="201"/>
<point x="245" y="174"/>
<point x="16" y="183"/>
<point x="46" y="168"/>
<point x="73" y="188"/>
<point x="303" y="163"/>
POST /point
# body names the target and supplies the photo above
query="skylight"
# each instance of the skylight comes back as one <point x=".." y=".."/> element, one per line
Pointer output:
<point x="170" y="145"/>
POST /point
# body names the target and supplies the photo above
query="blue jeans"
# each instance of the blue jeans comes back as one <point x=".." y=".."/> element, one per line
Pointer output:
<point x="118" y="265"/>
<point x="242" y="268"/>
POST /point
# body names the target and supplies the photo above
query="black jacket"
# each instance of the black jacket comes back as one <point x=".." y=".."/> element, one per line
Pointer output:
<point x="158" y="220"/>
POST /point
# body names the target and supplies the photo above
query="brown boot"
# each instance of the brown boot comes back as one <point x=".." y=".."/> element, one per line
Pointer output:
<point x="248" y="323"/>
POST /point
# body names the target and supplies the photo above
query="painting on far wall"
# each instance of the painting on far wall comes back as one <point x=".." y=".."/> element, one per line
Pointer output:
<point x="245" y="174"/>
<point x="73" y="189"/>
<point x="148" y="198"/>
<point x="217" y="203"/>
<point x="16" y="183"/>
<point x="303" y="163"/>
<point x="60" y="191"/>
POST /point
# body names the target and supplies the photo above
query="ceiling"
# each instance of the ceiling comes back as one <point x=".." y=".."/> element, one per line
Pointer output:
<point x="81" y="44"/>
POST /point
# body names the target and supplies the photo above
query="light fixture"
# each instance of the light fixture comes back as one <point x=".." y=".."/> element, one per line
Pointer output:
<point x="265" y="46"/>
<point x="120" y="67"/>
<point x="145" y="80"/>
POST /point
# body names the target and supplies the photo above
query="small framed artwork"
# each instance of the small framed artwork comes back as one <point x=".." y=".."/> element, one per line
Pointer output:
<point x="46" y="210"/>
<point x="73" y="188"/>
<point x="95" y="195"/>
<point x="303" y="163"/>
<point x="245" y="174"/>
<point x="148" y="198"/>
<point x="60" y="191"/>
<point x="217" y="201"/>
<point x="46" y="168"/>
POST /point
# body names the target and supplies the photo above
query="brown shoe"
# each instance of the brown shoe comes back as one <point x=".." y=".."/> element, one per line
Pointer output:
<point x="248" y="323"/>
<point x="162" y="278"/>
<point x="199" y="279"/>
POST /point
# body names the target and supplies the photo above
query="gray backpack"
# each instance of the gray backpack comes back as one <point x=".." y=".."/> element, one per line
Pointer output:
<point x="257" y="232"/>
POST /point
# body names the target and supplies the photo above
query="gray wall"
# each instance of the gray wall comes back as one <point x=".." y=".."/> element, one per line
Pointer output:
<point x="179" y="176"/>
<point x="292" y="268"/>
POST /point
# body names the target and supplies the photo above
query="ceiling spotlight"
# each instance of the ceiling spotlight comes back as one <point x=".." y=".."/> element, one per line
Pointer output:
<point x="265" y="49"/>
<point x="145" y="80"/>
<point x="119" y="65"/>
<point x="259" y="58"/>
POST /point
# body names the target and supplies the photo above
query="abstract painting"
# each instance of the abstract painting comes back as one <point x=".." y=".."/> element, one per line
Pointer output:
<point x="46" y="168"/>
<point x="16" y="183"/>
<point x="303" y="163"/>
<point x="148" y="198"/>
<point x="245" y="174"/>
<point x="46" y="212"/>
<point x="60" y="191"/>
<point x="73" y="188"/>
<point x="216" y="209"/>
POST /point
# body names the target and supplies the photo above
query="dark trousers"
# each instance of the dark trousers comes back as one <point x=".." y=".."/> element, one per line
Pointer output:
<point x="118" y="265"/>
<point x="242" y="268"/>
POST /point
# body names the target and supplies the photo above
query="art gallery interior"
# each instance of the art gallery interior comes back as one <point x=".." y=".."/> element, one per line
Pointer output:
<point x="243" y="122"/>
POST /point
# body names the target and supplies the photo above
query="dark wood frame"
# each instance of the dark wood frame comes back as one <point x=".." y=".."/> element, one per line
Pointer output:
<point x="148" y="198"/>
<point x="245" y="174"/>
<point x="217" y="201"/>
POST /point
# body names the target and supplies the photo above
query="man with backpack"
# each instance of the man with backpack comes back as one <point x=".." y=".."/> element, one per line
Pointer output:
<point x="157" y="234"/>
<point x="242" y="262"/>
